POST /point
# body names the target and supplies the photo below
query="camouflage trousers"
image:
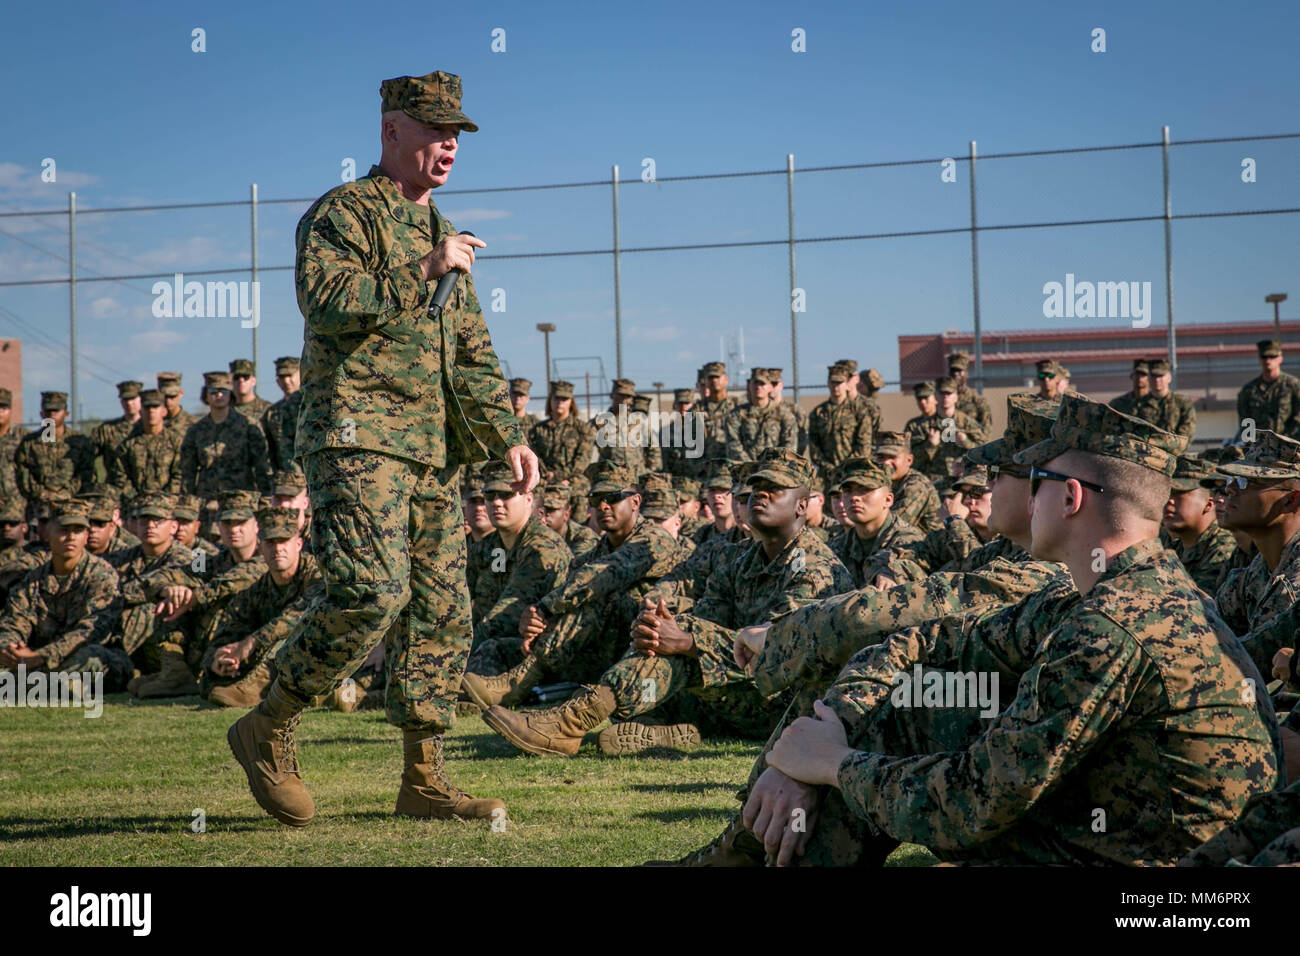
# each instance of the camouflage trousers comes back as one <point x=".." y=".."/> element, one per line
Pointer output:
<point x="260" y="658"/>
<point x="1266" y="834"/>
<point x="390" y="544"/>
<point x="496" y="655"/>
<point x="581" y="644"/>
<point x="112" y="662"/>
<point x="143" y="633"/>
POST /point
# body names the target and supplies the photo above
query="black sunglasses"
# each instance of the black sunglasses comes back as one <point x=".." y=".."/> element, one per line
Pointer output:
<point x="499" y="495"/>
<point x="241" y="375"/>
<point x="1011" y="471"/>
<point x="1036" y="476"/>
<point x="610" y="498"/>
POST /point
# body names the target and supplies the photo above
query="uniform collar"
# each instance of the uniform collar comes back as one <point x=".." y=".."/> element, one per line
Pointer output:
<point x="400" y="209"/>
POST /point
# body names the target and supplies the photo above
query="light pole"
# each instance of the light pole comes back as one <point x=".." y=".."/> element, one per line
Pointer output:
<point x="1277" y="298"/>
<point x="658" y="397"/>
<point x="546" y="328"/>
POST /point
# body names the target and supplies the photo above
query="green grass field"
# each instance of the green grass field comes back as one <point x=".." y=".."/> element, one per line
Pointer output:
<point x="121" y="790"/>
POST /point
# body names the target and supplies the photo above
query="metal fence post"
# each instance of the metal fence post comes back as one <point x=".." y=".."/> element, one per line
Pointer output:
<point x="74" y="406"/>
<point x="975" y="277"/>
<point x="794" y="316"/>
<point x="1169" y="262"/>
<point x="618" y="288"/>
<point x="255" y="297"/>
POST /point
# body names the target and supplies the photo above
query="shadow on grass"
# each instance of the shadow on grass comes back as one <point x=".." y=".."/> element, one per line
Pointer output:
<point x="390" y="742"/>
<point x="28" y="828"/>
<point x="699" y="787"/>
<point x="482" y="745"/>
<point x="687" y="815"/>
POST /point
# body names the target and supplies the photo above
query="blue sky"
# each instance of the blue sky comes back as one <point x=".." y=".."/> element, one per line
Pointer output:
<point x="286" y="93"/>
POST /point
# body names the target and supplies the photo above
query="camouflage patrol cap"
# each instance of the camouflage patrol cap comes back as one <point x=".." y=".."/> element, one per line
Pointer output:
<point x="277" y="524"/>
<point x="169" y="383"/>
<point x="641" y="403"/>
<point x="520" y="386"/>
<point x="241" y="367"/>
<point x="153" y="504"/>
<point x="216" y="380"/>
<point x="186" y="508"/>
<point x="783" y="468"/>
<point x="70" y="513"/>
<point x="837" y="373"/>
<point x="683" y="396"/>
<point x="129" y="389"/>
<point x="875" y="379"/>
<point x="850" y="365"/>
<point x="1159" y="366"/>
<point x="1029" y="421"/>
<point x="687" y="488"/>
<point x="1140" y="366"/>
<point x="102" y="501"/>
<point x="1063" y="372"/>
<point x="713" y="368"/>
<point x="151" y="398"/>
<point x="1269" y="348"/>
<point x="1269" y="456"/>
<point x="1191" y="472"/>
<point x="945" y="487"/>
<point x="623" y="386"/>
<point x="13" y="509"/>
<point x="434" y="99"/>
<point x="958" y="361"/>
<point x="237" y="505"/>
<point x="6" y="398"/>
<point x="555" y="496"/>
<point x="740" y="472"/>
<point x="54" y="401"/>
<point x="561" y="389"/>
<point x="498" y="476"/>
<point x="764" y="376"/>
<point x="720" y="477"/>
<point x="945" y="384"/>
<point x="658" y="496"/>
<point x="863" y="472"/>
<point x="975" y="477"/>
<point x="288" y="483"/>
<point x="889" y="444"/>
<point x="610" y="476"/>
<point x="286" y="364"/>
<point x="1088" y="426"/>
<point x="922" y="389"/>
<point x="1044" y="368"/>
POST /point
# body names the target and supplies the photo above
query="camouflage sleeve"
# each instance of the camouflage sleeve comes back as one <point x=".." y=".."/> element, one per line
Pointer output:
<point x="1187" y="421"/>
<point x="735" y="447"/>
<point x="174" y="471"/>
<point x="259" y="459"/>
<point x="789" y="431"/>
<point x="220" y="589"/>
<point x="1230" y="600"/>
<point x="612" y="574"/>
<point x="539" y="571"/>
<point x="478" y="388"/>
<point x="1067" y="704"/>
<point x="340" y="289"/>
<point x="18" y="622"/>
<point x="23" y="471"/>
<point x="862" y="436"/>
<point x="83" y="461"/>
<point x="243" y="615"/>
<point x="1291" y="427"/>
<point x="96" y="617"/>
<point x="189" y="466"/>
<point x="282" y="625"/>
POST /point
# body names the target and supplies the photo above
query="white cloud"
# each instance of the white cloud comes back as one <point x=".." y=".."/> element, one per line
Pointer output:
<point x="155" y="341"/>
<point x="19" y="182"/>
<point x="105" y="307"/>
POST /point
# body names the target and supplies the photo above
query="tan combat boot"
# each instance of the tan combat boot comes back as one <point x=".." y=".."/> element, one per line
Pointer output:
<point x="507" y="689"/>
<point x="426" y="792"/>
<point x="245" y="692"/>
<point x="346" y="697"/>
<point x="735" y="846"/>
<point x="558" y="730"/>
<point x="262" y="742"/>
<point x="174" y="678"/>
<point x="632" y="737"/>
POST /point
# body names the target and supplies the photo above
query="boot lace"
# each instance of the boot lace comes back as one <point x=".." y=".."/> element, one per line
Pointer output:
<point x="288" y="749"/>
<point x="440" y="771"/>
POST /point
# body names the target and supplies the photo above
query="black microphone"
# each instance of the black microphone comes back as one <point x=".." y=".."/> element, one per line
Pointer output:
<point x="443" y="292"/>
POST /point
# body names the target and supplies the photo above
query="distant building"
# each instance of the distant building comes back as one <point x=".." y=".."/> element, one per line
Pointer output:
<point x="11" y="375"/>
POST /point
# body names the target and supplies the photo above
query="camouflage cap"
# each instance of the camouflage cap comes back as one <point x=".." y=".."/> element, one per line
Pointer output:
<point x="1269" y="348"/>
<point x="241" y="367"/>
<point x="102" y="502"/>
<point x="658" y="496"/>
<point x="945" y="384"/>
<point x="434" y="99"/>
<point x="837" y="373"/>
<point x="863" y="472"/>
<point x="641" y="403"/>
<point x="850" y="365"/>
<point x="713" y="368"/>
<point x="1047" y="367"/>
<point x="498" y="476"/>
<point x="520" y="386"/>
<point x="623" y="386"/>
<point x="1191" y="471"/>
<point x="54" y="401"/>
<point x="216" y="380"/>
<point x="610" y="476"/>
<point x="286" y="364"/>
<point x="817" y="484"/>
<point x="783" y="468"/>
<point x="1140" y="366"/>
<point x="288" y="483"/>
<point x="874" y="379"/>
<point x="764" y="376"/>
<point x="153" y="504"/>
<point x="471" y="486"/>
<point x="1269" y="456"/>
<point x="1159" y="367"/>
<point x="277" y="524"/>
<point x="1029" y="421"/>
<point x="958" y="362"/>
<point x="237" y="505"/>
<point x="71" y="513"/>
<point x="13" y="509"/>
<point x="889" y="444"/>
<point x="740" y="472"/>
<point x="975" y="477"/>
<point x="151" y="398"/>
<point x="922" y="390"/>
<point x="561" y="389"/>
<point x="687" y="488"/>
<point x="945" y="488"/>
<point x="6" y="398"/>
<point x="186" y="508"/>
<point x="683" y="396"/>
<point x="129" y="389"/>
<point x="720" y="477"/>
<point x="169" y="383"/>
<point x="1088" y="426"/>
<point x="554" y="496"/>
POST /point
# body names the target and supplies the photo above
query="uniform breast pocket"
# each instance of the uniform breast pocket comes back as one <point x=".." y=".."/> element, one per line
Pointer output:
<point x="209" y="455"/>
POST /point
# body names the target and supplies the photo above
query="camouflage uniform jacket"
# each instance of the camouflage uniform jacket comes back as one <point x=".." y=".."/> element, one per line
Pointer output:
<point x="914" y="560"/>
<point x="565" y="446"/>
<point x="611" y="573"/>
<point x="121" y="542"/>
<point x="862" y="555"/>
<point x="628" y="444"/>
<point x="1206" y="559"/>
<point x="917" y="502"/>
<point x="267" y="611"/>
<point x="1131" y="404"/>
<point x="752" y="430"/>
<point x="503" y="581"/>
<point x="873" y="412"/>
<point x="54" y="469"/>
<point x="108" y="437"/>
<point x="976" y="406"/>
<point x="280" y="426"/>
<point x="694" y="571"/>
<point x="715" y="426"/>
<point x="1174" y="413"/>
<point x="1128" y="698"/>
<point x="938" y="461"/>
<point x="148" y="463"/>
<point x="837" y="433"/>
<point x="1266" y="834"/>
<point x="581" y="540"/>
<point x="378" y="372"/>
<point x="224" y="456"/>
<point x="1248" y="598"/>
<point x="8" y="475"/>
<point x="181" y="421"/>
<point x="56" y="615"/>
<point x="801" y="429"/>
<point x="1273" y="405"/>
<point x="217" y="580"/>
<point x="674" y="449"/>
<point x="253" y="409"/>
<point x="140" y="578"/>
